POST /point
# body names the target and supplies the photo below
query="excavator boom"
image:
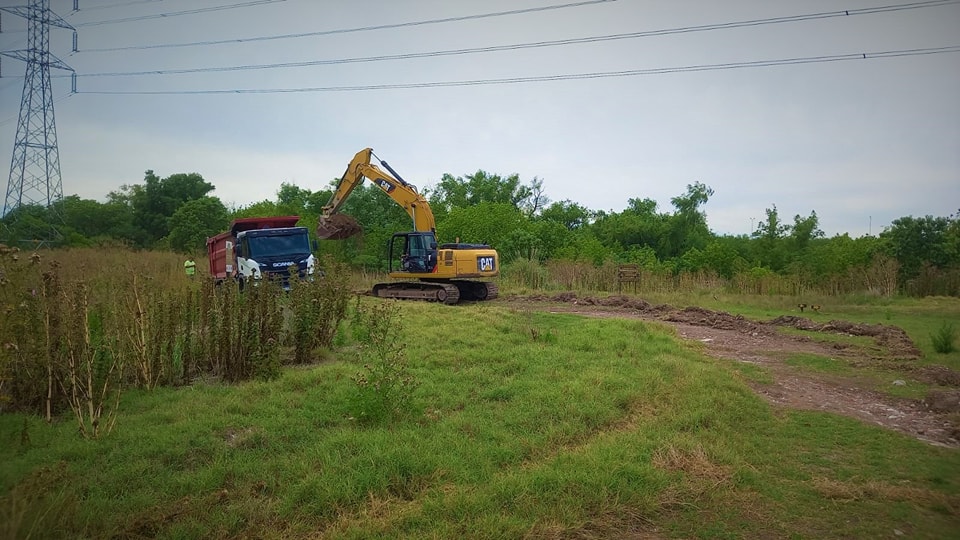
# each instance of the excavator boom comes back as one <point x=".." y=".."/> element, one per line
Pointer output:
<point x="335" y="226"/>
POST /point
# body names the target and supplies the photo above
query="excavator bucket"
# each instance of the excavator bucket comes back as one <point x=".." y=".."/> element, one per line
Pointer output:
<point x="337" y="227"/>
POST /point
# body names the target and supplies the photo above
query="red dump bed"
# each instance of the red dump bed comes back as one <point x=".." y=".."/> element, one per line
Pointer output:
<point x="217" y="245"/>
<point x="250" y="223"/>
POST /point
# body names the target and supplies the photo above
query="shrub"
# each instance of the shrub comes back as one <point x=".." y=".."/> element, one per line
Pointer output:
<point x="317" y="308"/>
<point x="943" y="339"/>
<point x="385" y="386"/>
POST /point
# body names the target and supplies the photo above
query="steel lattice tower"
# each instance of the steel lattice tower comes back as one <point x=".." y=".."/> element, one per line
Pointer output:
<point x="35" y="165"/>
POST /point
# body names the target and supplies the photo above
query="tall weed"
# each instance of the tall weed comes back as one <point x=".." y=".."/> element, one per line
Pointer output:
<point x="24" y="345"/>
<point x="317" y="309"/>
<point x="385" y="385"/>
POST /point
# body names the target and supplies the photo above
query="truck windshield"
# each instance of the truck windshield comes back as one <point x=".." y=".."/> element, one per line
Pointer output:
<point x="272" y="246"/>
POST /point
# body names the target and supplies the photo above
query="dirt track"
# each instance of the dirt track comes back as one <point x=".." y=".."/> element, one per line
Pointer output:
<point x="933" y="419"/>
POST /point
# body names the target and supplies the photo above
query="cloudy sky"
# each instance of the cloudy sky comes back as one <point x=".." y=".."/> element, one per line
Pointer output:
<point x="860" y="141"/>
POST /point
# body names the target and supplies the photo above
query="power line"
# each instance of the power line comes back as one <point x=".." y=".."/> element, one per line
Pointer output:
<point x="10" y="82"/>
<point x="537" y="44"/>
<point x="549" y="78"/>
<point x="121" y="4"/>
<point x="178" y="13"/>
<point x="351" y="30"/>
<point x="58" y="100"/>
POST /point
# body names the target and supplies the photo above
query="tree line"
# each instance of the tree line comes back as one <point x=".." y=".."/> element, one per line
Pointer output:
<point x="920" y="255"/>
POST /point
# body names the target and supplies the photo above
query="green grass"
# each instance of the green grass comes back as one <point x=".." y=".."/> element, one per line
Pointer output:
<point x="815" y="362"/>
<point x="522" y="424"/>
<point x="751" y="372"/>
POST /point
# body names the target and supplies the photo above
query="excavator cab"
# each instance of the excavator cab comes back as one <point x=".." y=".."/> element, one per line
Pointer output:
<point x="417" y="252"/>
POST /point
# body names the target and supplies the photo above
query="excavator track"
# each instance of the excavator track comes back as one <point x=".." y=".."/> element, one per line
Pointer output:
<point x="447" y="293"/>
<point x="480" y="291"/>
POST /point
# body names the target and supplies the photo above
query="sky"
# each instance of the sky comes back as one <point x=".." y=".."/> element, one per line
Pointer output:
<point x="861" y="142"/>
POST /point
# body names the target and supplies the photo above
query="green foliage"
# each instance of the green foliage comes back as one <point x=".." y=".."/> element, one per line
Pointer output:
<point x="482" y="187"/>
<point x="316" y="309"/>
<point x="486" y="222"/>
<point x="772" y="251"/>
<point x="38" y="504"/>
<point x="243" y="330"/>
<point x="804" y="230"/>
<point x="195" y="221"/>
<point x="944" y="339"/>
<point x="156" y="200"/>
<point x="567" y="213"/>
<point x="584" y="246"/>
<point x="688" y="226"/>
<point x="384" y="388"/>
<point x="915" y="241"/>
<point x="30" y="223"/>
<point x="525" y="272"/>
<point x="92" y="221"/>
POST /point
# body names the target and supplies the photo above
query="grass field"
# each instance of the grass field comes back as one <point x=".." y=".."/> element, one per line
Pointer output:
<point x="521" y="424"/>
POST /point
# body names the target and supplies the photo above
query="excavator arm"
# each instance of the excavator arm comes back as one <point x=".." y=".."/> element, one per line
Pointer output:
<point x="333" y="225"/>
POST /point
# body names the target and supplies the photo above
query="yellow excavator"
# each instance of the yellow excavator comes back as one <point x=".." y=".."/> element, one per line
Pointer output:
<point x="444" y="273"/>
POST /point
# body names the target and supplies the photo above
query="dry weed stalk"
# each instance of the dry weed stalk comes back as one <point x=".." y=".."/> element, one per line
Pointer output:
<point x="147" y="375"/>
<point x="93" y="371"/>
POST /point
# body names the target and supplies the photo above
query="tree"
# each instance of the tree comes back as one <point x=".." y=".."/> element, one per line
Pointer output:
<point x="483" y="187"/>
<point x="536" y="200"/>
<point x="489" y="223"/>
<point x="804" y="230"/>
<point x="567" y="213"/>
<point x="292" y="199"/>
<point x="631" y="229"/>
<point x="688" y="226"/>
<point x="722" y="257"/>
<point x="915" y="241"/>
<point x="195" y="221"/>
<point x="156" y="200"/>
<point x="769" y="234"/>
<point x="92" y="220"/>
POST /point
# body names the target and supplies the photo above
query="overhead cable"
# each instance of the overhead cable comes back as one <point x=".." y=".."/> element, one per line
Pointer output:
<point x="106" y="6"/>
<point x="531" y="45"/>
<point x="351" y="30"/>
<point x="58" y="100"/>
<point x="178" y="13"/>
<point x="547" y="78"/>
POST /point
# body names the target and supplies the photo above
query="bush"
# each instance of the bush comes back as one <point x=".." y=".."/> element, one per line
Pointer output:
<point x="943" y="339"/>
<point x="385" y="386"/>
<point x="317" y="308"/>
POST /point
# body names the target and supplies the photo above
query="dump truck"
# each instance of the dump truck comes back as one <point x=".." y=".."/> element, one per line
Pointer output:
<point x="260" y="248"/>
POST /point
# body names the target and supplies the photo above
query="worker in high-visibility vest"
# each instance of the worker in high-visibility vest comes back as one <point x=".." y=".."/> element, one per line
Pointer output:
<point x="190" y="268"/>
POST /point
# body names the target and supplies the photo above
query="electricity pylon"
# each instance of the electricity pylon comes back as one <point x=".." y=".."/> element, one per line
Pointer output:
<point x="35" y="165"/>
